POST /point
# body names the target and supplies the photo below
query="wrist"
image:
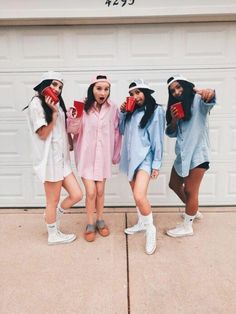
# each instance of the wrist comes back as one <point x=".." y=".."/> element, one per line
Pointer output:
<point x="173" y="123"/>
<point x="55" y="115"/>
<point x="171" y="126"/>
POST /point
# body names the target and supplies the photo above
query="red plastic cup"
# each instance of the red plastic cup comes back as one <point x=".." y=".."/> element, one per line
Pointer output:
<point x="79" y="106"/>
<point x="180" y="113"/>
<point x="130" y="104"/>
<point x="48" y="91"/>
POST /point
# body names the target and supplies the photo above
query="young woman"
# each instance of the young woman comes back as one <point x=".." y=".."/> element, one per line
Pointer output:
<point x="97" y="144"/>
<point x="192" y="145"/>
<point x="142" y="151"/>
<point x="47" y="123"/>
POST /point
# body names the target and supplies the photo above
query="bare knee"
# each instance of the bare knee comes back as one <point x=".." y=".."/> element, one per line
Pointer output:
<point x="176" y="186"/>
<point x="188" y="192"/>
<point x="91" y="195"/>
<point x="100" y="193"/>
<point x="76" y="198"/>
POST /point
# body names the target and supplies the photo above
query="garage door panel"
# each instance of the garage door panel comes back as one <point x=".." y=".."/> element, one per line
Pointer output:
<point x="15" y="181"/>
<point x="40" y="48"/>
<point x="225" y="183"/>
<point x="91" y="47"/>
<point x="218" y="185"/>
<point x="142" y="45"/>
<point x="15" y="148"/>
<point x="6" y="51"/>
<point x="7" y="88"/>
<point x="231" y="188"/>
<point x="15" y="186"/>
<point x="207" y="45"/>
<point x="223" y="139"/>
<point x="37" y="190"/>
<point x="208" y="187"/>
<point x="37" y="47"/>
<point x="218" y="42"/>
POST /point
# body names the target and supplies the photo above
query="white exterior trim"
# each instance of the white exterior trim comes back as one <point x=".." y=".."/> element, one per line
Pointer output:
<point x="82" y="12"/>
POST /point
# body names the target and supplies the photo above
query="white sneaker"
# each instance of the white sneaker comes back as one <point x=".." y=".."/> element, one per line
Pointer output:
<point x="60" y="238"/>
<point x="135" y="228"/>
<point x="151" y="240"/>
<point x="180" y="231"/>
<point x="198" y="215"/>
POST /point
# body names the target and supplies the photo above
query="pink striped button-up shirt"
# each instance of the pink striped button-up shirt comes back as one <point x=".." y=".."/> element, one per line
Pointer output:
<point x="97" y="141"/>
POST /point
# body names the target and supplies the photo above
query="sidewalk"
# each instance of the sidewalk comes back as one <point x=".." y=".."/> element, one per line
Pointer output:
<point x="113" y="275"/>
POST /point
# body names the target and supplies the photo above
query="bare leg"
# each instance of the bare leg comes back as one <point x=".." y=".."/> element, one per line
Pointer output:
<point x="132" y="183"/>
<point x="177" y="185"/>
<point x="71" y="185"/>
<point x="100" y="188"/>
<point x="140" y="187"/>
<point x="191" y="189"/>
<point x="52" y="192"/>
<point x="90" y="188"/>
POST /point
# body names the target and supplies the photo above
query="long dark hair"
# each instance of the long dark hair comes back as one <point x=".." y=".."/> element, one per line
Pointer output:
<point x="149" y="106"/>
<point x="46" y="108"/>
<point x="90" y="96"/>
<point x="186" y="99"/>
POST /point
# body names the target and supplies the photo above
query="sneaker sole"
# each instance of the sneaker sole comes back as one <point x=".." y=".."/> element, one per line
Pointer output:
<point x="178" y="235"/>
<point x="62" y="242"/>
<point x="153" y="251"/>
<point x="133" y="232"/>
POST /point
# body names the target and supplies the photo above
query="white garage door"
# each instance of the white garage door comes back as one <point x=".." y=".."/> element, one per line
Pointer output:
<point x="205" y="53"/>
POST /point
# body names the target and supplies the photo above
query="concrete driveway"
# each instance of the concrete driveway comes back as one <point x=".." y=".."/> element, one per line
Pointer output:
<point x="113" y="275"/>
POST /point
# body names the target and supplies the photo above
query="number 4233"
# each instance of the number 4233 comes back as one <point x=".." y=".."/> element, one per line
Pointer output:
<point x="119" y="2"/>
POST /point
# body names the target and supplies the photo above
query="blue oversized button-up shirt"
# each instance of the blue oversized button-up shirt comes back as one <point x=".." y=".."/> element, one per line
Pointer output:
<point x="141" y="145"/>
<point x="192" y="144"/>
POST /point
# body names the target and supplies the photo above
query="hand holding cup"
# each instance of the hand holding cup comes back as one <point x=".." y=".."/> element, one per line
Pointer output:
<point x="130" y="104"/>
<point x="79" y="107"/>
<point x="177" y="110"/>
<point x="49" y="92"/>
<point x="122" y="107"/>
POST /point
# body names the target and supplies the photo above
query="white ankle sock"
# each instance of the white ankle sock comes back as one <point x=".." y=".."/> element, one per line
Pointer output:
<point x="147" y="220"/>
<point x="59" y="213"/>
<point x="138" y="212"/>
<point x="188" y="219"/>
<point x="52" y="228"/>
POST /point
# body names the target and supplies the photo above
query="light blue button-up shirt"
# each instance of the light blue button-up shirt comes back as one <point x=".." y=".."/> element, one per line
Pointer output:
<point x="142" y="145"/>
<point x="192" y="146"/>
